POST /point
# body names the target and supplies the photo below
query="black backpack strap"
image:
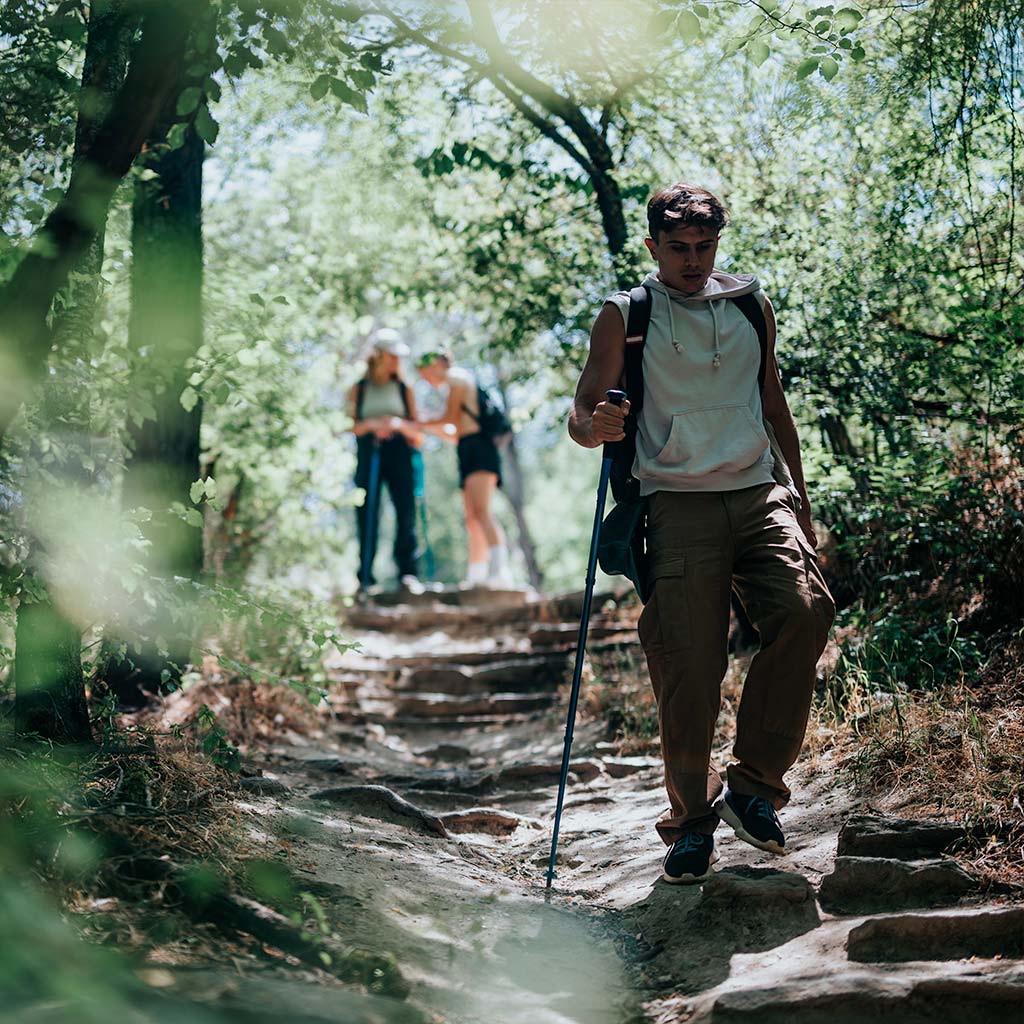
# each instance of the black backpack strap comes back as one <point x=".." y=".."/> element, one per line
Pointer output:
<point x="754" y="312"/>
<point x="637" y="322"/>
<point x="360" y="395"/>
<point x="404" y="388"/>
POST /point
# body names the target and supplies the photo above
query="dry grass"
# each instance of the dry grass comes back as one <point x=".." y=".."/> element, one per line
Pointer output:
<point x="252" y="714"/>
<point x="952" y="753"/>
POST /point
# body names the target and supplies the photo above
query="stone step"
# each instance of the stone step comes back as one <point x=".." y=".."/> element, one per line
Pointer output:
<point x="942" y="935"/>
<point x="445" y="705"/>
<point x="445" y="725"/>
<point x="865" y="885"/>
<point x="461" y="596"/>
<point x="872" y="835"/>
<point x="857" y="997"/>
<point x="516" y="676"/>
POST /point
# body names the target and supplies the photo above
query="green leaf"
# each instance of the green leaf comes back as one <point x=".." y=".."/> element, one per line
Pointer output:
<point x="194" y="517"/>
<point x="206" y="126"/>
<point x="347" y="94"/>
<point x="808" y="67"/>
<point x="189" y="398"/>
<point x="848" y="19"/>
<point x="857" y="53"/>
<point x="257" y="298"/>
<point x="176" y="136"/>
<point x="823" y="28"/>
<point x="189" y="100"/>
<point x="660" y="23"/>
<point x="210" y="487"/>
<point x="828" y="68"/>
<point x="196" y="491"/>
<point x="318" y="90"/>
<point x="759" y="51"/>
<point x="147" y="174"/>
<point x="688" y="26"/>
<point x="700" y="10"/>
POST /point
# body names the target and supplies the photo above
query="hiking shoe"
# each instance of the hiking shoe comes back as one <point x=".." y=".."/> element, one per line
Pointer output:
<point x="753" y="819"/>
<point x="689" y="859"/>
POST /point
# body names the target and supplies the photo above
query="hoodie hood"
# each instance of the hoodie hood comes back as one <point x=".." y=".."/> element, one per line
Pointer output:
<point x="719" y="286"/>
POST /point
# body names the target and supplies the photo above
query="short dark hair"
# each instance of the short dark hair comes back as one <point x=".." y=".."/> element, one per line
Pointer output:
<point x="685" y="205"/>
<point x="432" y="357"/>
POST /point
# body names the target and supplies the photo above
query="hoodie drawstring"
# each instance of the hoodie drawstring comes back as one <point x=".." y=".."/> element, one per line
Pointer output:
<point x="716" y="361"/>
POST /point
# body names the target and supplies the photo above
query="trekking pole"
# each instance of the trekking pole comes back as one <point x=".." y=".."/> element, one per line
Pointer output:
<point x="369" y="527"/>
<point x="616" y="398"/>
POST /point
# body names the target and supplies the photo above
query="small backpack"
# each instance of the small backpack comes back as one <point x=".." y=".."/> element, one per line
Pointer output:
<point x="492" y="419"/>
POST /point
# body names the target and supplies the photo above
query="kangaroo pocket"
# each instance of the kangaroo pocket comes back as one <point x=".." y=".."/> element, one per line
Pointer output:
<point x="720" y="438"/>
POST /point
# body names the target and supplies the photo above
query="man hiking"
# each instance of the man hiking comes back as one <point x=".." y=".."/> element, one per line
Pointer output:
<point x="717" y="520"/>
<point x="479" y="465"/>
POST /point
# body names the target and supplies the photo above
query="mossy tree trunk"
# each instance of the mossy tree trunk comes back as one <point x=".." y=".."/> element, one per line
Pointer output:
<point x="50" y="696"/>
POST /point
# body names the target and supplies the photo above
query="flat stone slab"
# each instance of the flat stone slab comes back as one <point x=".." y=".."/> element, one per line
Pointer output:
<point x="859" y="997"/>
<point x="487" y="820"/>
<point x="870" y="835"/>
<point x="945" y="935"/>
<point x="585" y="771"/>
<point x="450" y="752"/>
<point x="864" y="885"/>
<point x="620" y="767"/>
<point x="443" y="705"/>
<point x="762" y="904"/>
<point x="519" y="675"/>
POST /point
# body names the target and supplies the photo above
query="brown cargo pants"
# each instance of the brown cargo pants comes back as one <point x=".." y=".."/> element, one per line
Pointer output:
<point x="702" y="545"/>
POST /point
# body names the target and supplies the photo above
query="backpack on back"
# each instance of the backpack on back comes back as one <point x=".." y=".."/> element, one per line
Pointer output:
<point x="492" y="419"/>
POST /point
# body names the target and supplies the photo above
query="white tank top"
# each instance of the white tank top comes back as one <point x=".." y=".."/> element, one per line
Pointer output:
<point x="381" y="400"/>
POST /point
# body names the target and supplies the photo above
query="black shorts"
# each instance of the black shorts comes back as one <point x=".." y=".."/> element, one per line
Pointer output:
<point x="477" y="452"/>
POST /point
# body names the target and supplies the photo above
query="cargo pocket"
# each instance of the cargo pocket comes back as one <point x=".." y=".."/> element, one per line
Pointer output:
<point x="671" y="606"/>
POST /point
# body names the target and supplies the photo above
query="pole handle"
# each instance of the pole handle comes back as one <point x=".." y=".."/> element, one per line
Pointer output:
<point x="616" y="397"/>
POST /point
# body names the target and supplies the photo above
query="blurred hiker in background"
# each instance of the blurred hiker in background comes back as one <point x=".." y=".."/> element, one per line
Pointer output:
<point x="383" y="412"/>
<point x="467" y="421"/>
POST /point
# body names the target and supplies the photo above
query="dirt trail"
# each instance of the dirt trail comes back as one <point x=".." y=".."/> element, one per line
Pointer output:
<point x="422" y="824"/>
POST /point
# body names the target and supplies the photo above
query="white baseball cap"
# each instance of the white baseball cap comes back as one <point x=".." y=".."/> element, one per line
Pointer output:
<point x="387" y="339"/>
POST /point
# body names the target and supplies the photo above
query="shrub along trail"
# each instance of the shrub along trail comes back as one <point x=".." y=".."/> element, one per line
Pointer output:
<point x="419" y="821"/>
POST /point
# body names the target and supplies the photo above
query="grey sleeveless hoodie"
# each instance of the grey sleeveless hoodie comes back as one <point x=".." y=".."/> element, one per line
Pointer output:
<point x="702" y="427"/>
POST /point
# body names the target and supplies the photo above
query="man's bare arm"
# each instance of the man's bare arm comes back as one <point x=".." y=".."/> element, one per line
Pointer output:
<point x="593" y="420"/>
<point x="776" y="412"/>
<point x="446" y="426"/>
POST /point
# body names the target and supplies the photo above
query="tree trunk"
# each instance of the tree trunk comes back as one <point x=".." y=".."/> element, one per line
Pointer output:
<point x="157" y="66"/>
<point x="50" y="692"/>
<point x="515" y="492"/>
<point x="165" y="330"/>
<point x="49" y="685"/>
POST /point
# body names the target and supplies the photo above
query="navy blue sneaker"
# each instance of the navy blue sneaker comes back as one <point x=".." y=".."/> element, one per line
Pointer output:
<point x="689" y="859"/>
<point x="753" y="819"/>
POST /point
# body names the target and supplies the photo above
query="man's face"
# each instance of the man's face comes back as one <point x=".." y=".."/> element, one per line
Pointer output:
<point x="685" y="256"/>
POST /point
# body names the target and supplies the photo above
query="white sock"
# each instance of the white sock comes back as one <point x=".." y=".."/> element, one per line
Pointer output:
<point x="477" y="572"/>
<point x="497" y="561"/>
